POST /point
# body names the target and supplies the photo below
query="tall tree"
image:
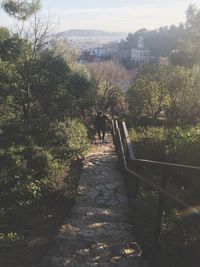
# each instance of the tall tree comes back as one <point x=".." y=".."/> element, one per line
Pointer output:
<point x="160" y="42"/>
<point x="21" y="9"/>
<point x="147" y="95"/>
<point x="108" y="85"/>
<point x="188" y="52"/>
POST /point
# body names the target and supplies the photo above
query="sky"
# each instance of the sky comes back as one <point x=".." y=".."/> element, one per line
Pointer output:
<point x="111" y="15"/>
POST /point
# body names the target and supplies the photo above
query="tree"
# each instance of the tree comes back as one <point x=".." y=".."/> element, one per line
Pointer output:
<point x="173" y="90"/>
<point x="21" y="10"/>
<point x="136" y="98"/>
<point x="183" y="88"/>
<point x="14" y="48"/>
<point x="64" y="49"/>
<point x="28" y="41"/>
<point x="188" y="52"/>
<point x="108" y="79"/>
<point x="33" y="41"/>
<point x="147" y="95"/>
<point x="9" y="108"/>
<point x="4" y="33"/>
<point x="160" y="42"/>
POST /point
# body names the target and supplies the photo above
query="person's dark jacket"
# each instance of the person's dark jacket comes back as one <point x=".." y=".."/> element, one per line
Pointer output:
<point x="100" y="122"/>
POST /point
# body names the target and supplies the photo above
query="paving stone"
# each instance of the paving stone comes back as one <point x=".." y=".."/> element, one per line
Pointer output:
<point x="63" y="262"/>
<point x="121" y="198"/>
<point x="97" y="232"/>
<point x="110" y="186"/>
<point x="112" y="202"/>
<point x="100" y="187"/>
<point x="93" y="194"/>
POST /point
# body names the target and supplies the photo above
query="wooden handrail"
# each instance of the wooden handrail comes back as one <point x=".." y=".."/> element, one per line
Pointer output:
<point x="161" y="189"/>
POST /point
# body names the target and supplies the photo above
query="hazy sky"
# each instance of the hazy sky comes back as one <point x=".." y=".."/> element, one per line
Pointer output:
<point x="112" y="15"/>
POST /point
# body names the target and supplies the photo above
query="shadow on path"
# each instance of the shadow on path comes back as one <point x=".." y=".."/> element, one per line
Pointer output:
<point x="98" y="232"/>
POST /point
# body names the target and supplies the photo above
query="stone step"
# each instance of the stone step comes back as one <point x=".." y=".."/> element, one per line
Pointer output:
<point x="90" y="214"/>
<point x="82" y="252"/>
<point x="97" y="232"/>
<point x="102" y="231"/>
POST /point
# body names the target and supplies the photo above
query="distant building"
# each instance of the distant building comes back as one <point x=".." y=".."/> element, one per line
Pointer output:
<point x="111" y="49"/>
<point x="99" y="52"/>
<point x="141" y="42"/>
<point x="124" y="54"/>
<point x="140" y="54"/>
<point x="108" y="50"/>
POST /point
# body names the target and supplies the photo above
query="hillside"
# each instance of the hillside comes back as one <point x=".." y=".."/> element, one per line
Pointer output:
<point x="92" y="33"/>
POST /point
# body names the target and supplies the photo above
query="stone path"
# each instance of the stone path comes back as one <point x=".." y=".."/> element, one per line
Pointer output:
<point x="98" y="232"/>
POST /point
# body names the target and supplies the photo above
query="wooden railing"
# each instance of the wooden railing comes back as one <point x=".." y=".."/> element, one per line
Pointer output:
<point x="133" y="167"/>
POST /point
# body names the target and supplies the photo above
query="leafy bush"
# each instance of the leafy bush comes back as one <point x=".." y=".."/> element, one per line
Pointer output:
<point x="180" y="232"/>
<point x="69" y="139"/>
<point x="28" y="169"/>
<point x="183" y="145"/>
<point x="25" y="171"/>
<point x="20" y="133"/>
<point x="149" y="142"/>
<point x="9" y="240"/>
<point x="180" y="145"/>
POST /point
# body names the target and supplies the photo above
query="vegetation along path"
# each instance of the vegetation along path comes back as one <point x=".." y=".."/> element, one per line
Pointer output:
<point x="98" y="232"/>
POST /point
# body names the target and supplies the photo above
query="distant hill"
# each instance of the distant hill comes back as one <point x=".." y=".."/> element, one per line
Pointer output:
<point x="87" y="39"/>
<point x="91" y="33"/>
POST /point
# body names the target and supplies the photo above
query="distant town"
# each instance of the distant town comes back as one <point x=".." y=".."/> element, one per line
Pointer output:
<point x="117" y="51"/>
<point x="96" y="45"/>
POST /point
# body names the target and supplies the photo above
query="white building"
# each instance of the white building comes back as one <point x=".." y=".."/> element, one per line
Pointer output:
<point x="140" y="54"/>
<point x="141" y="42"/>
<point x="107" y="50"/>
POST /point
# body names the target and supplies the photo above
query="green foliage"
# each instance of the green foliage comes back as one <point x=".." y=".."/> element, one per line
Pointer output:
<point x="24" y="172"/>
<point x="8" y="88"/>
<point x="4" y="33"/>
<point x="12" y="49"/>
<point x="65" y="50"/>
<point x="184" y="96"/>
<point x="188" y="52"/>
<point x="40" y="135"/>
<point x="29" y="170"/>
<point x="70" y="139"/>
<point x="49" y="81"/>
<point x="44" y="85"/>
<point x="147" y="94"/>
<point x="160" y="41"/>
<point x="107" y="92"/>
<point x="149" y="142"/>
<point x="21" y="10"/>
<point x="172" y="93"/>
<point x="10" y="240"/>
<point x="183" y="145"/>
<point x="180" y="145"/>
<point x="180" y="227"/>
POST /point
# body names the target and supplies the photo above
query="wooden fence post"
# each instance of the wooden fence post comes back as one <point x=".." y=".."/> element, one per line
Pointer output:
<point x="159" y="217"/>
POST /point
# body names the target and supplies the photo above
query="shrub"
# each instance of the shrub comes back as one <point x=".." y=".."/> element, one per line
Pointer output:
<point x="180" y="145"/>
<point x="26" y="170"/>
<point x="183" y="145"/>
<point x="149" y="142"/>
<point x="69" y="139"/>
<point x="23" y="133"/>
<point x="180" y="232"/>
<point x="10" y="240"/>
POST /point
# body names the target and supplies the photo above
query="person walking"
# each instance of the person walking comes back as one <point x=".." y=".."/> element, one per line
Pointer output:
<point x="100" y="124"/>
